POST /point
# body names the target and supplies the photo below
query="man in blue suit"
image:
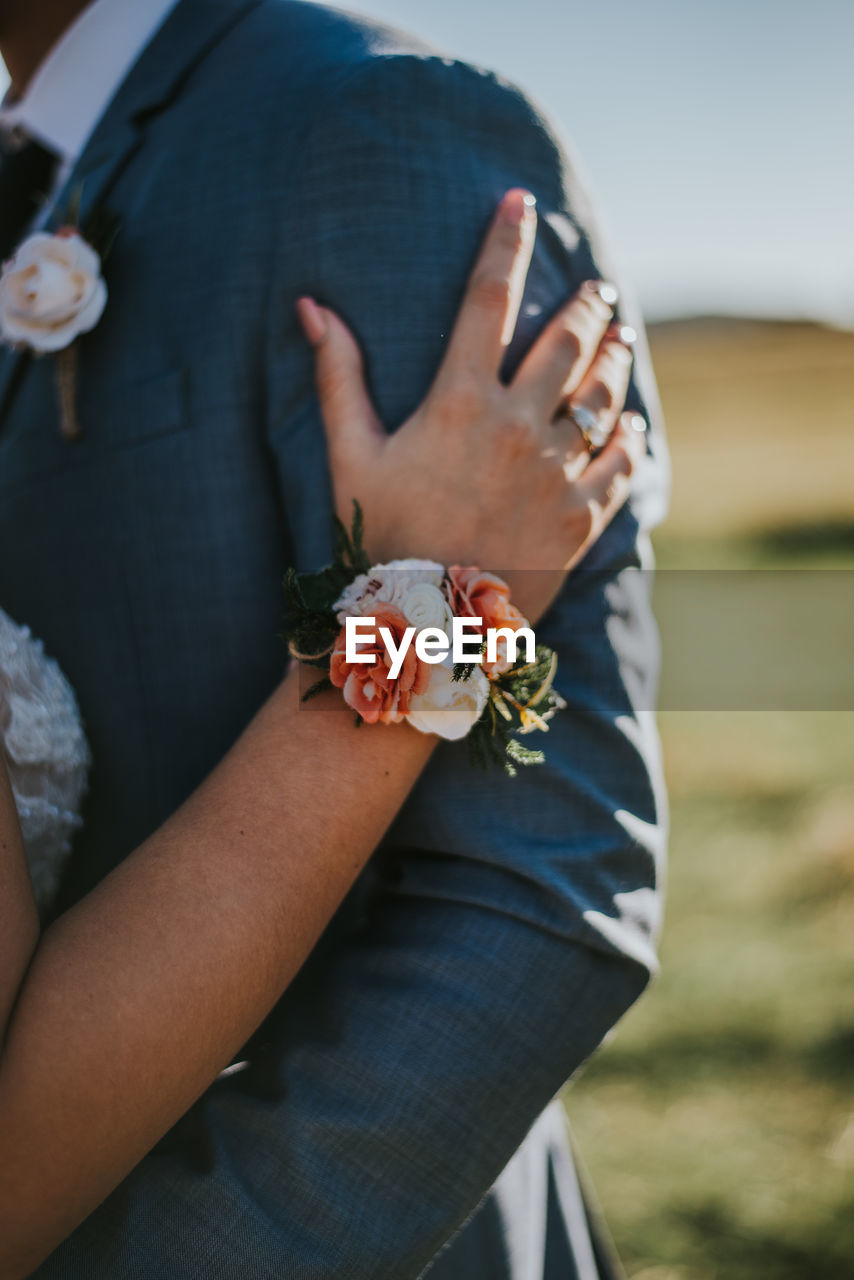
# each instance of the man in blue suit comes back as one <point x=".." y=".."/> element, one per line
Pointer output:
<point x="248" y="152"/>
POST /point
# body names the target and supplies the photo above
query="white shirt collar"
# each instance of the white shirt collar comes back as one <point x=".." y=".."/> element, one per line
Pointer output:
<point x="79" y="77"/>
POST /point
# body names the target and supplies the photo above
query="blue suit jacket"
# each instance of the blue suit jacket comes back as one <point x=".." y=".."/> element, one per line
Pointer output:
<point x="261" y="149"/>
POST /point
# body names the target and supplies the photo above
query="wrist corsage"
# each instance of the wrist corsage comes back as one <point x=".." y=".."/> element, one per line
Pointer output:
<point x="443" y="649"/>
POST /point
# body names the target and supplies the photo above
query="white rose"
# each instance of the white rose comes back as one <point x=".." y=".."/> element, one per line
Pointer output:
<point x="397" y="578"/>
<point x="425" y="606"/>
<point x="387" y="584"/>
<point x="449" y="707"/>
<point x="51" y="291"/>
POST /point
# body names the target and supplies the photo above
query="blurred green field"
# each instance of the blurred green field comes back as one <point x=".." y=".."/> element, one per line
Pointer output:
<point x="718" y="1124"/>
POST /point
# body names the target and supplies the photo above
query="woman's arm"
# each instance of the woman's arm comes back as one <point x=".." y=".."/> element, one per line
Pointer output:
<point x="134" y="1000"/>
<point x="140" y="994"/>
<point x="19" y="930"/>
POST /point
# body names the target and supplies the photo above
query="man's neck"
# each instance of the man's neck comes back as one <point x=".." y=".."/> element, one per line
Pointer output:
<point x="28" y="31"/>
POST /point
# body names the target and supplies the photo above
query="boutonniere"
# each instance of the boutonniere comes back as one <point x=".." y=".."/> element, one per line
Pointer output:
<point x="52" y="290"/>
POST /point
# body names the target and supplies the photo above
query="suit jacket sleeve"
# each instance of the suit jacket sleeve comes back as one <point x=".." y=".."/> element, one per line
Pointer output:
<point x="400" y="179"/>
<point x="514" y="921"/>
<point x="509" y="923"/>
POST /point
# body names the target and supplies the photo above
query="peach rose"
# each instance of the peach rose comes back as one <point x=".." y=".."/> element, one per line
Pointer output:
<point x="475" y="594"/>
<point x="368" y="686"/>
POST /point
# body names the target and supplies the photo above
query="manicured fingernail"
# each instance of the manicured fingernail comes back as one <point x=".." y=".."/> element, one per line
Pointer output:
<point x="637" y="422"/>
<point x="622" y="333"/>
<point x="518" y="205"/>
<point x="603" y="290"/>
<point x="312" y="320"/>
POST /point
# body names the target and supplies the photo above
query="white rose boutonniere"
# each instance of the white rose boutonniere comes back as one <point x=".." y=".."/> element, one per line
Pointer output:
<point x="51" y="291"/>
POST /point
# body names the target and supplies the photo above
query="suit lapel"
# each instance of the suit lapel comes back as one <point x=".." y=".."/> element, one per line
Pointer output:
<point x="190" y="32"/>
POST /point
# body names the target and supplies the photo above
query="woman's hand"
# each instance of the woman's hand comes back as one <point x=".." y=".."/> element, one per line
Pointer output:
<point x="487" y="473"/>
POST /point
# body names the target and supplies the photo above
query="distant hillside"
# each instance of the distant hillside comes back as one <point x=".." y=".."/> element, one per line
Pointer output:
<point x="734" y="324"/>
<point x="761" y="421"/>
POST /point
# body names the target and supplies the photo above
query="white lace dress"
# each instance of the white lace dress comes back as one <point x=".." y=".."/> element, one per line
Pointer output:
<point x="42" y="738"/>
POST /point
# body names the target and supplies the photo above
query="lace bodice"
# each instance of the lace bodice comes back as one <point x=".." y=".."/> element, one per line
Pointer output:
<point x="46" y="752"/>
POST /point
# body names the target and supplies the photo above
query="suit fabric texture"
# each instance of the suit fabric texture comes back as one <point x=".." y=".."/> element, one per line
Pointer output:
<point x="259" y="150"/>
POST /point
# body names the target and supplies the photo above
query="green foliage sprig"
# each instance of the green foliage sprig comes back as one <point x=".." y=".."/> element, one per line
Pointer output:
<point x="312" y="626"/>
<point x="521" y="700"/>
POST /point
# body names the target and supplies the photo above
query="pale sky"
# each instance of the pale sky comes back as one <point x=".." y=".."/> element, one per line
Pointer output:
<point x="718" y="134"/>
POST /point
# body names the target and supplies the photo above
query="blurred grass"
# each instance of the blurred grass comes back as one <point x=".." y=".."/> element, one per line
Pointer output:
<point x="718" y="1125"/>
<point x="761" y="420"/>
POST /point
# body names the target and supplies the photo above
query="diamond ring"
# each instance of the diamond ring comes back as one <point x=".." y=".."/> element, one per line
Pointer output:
<point x="593" y="429"/>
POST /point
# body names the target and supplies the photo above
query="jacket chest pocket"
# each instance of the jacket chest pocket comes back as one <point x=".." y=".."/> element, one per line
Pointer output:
<point x="113" y="420"/>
